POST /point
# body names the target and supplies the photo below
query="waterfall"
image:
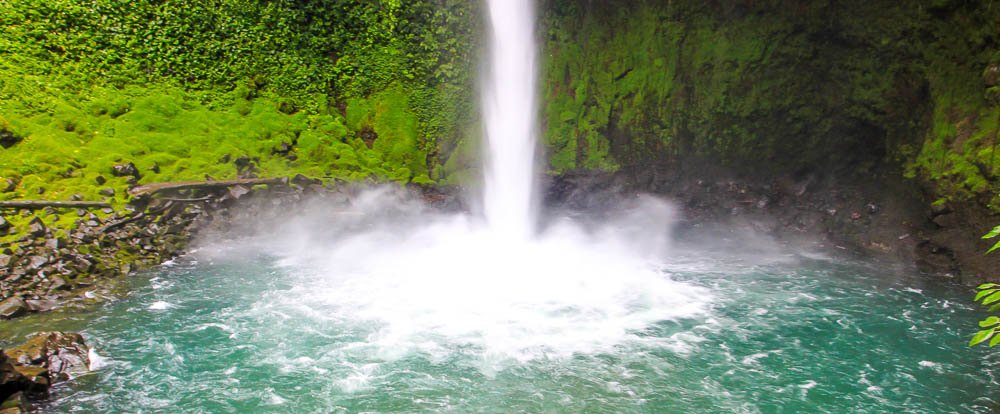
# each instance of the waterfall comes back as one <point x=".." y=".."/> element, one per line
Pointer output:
<point x="509" y="107"/>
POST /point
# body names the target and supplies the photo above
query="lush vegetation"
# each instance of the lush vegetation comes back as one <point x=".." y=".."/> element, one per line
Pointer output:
<point x="347" y="89"/>
<point x="774" y="87"/>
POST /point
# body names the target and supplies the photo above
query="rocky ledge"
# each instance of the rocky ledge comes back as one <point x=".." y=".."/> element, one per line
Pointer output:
<point x="29" y="370"/>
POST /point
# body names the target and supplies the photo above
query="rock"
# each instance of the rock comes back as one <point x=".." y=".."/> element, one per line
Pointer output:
<point x="107" y="210"/>
<point x="41" y="305"/>
<point x="155" y="168"/>
<point x="76" y="197"/>
<point x="238" y="191"/>
<point x="5" y="260"/>
<point x="40" y="190"/>
<point x="16" y="403"/>
<point x="107" y="192"/>
<point x="100" y="180"/>
<point x="38" y="378"/>
<point x="64" y="354"/>
<point x="303" y="181"/>
<point x="55" y="243"/>
<point x="4" y="224"/>
<point x="36" y="262"/>
<point x="12" y="307"/>
<point x="947" y="220"/>
<point x="36" y="228"/>
<point x="125" y="170"/>
<point x="58" y="283"/>
<point x="938" y="209"/>
<point x="9" y="185"/>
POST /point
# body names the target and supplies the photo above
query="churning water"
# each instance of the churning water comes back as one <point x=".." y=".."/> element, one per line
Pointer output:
<point x="386" y="306"/>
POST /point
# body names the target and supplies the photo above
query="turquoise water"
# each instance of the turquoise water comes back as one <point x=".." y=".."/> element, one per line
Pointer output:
<point x="786" y="334"/>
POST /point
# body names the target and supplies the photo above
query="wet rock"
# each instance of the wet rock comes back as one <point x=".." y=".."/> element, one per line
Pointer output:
<point x="41" y="305"/>
<point x="16" y="403"/>
<point x="38" y="378"/>
<point x="125" y="170"/>
<point x="12" y="307"/>
<point x="238" y="191"/>
<point x="36" y="228"/>
<point x="303" y="181"/>
<point x="63" y="354"/>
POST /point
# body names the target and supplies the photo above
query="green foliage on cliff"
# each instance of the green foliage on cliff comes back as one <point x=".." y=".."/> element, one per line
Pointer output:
<point x="190" y="88"/>
<point x="774" y="87"/>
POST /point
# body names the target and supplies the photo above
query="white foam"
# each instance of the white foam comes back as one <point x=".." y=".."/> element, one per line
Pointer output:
<point x="436" y="284"/>
<point x="96" y="360"/>
<point x="160" y="305"/>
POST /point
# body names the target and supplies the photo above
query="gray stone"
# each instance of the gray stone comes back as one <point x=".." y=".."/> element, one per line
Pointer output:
<point x="238" y="191"/>
<point x="36" y="262"/>
<point x="58" y="283"/>
<point x="41" y="305"/>
<point x="4" y="225"/>
<point x="5" y="260"/>
<point x="9" y="185"/>
<point x="12" y="307"/>
<point x="36" y="227"/>
<point x="107" y="192"/>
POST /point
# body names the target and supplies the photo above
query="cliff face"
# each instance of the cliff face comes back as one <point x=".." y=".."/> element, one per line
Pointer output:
<point x="790" y="87"/>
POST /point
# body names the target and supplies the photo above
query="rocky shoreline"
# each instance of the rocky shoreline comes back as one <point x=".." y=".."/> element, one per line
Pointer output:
<point x="27" y="371"/>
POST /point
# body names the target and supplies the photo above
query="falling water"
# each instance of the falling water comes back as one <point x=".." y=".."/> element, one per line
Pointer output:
<point x="509" y="107"/>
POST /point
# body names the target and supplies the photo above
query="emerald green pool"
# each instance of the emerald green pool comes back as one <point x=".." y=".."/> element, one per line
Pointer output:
<point x="252" y="333"/>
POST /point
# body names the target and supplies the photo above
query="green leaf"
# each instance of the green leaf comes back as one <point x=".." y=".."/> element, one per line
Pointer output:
<point x="994" y="341"/>
<point x="988" y="322"/>
<point x="983" y="294"/>
<point x="987" y="286"/>
<point x="991" y="298"/>
<point x="981" y="336"/>
<point x="995" y="246"/>
<point x="993" y="233"/>
<point x="995" y="307"/>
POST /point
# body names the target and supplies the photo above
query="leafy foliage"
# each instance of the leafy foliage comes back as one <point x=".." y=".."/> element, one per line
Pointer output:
<point x="183" y="90"/>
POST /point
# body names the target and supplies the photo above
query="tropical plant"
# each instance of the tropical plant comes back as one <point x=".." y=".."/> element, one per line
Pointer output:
<point x="989" y="295"/>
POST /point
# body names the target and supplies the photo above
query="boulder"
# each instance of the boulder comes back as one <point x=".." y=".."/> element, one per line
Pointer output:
<point x="125" y="170"/>
<point x="63" y="354"/>
<point x="41" y="305"/>
<point x="12" y="307"/>
<point x="16" y="403"/>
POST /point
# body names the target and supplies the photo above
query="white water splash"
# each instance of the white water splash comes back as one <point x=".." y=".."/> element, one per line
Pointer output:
<point x="416" y="281"/>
